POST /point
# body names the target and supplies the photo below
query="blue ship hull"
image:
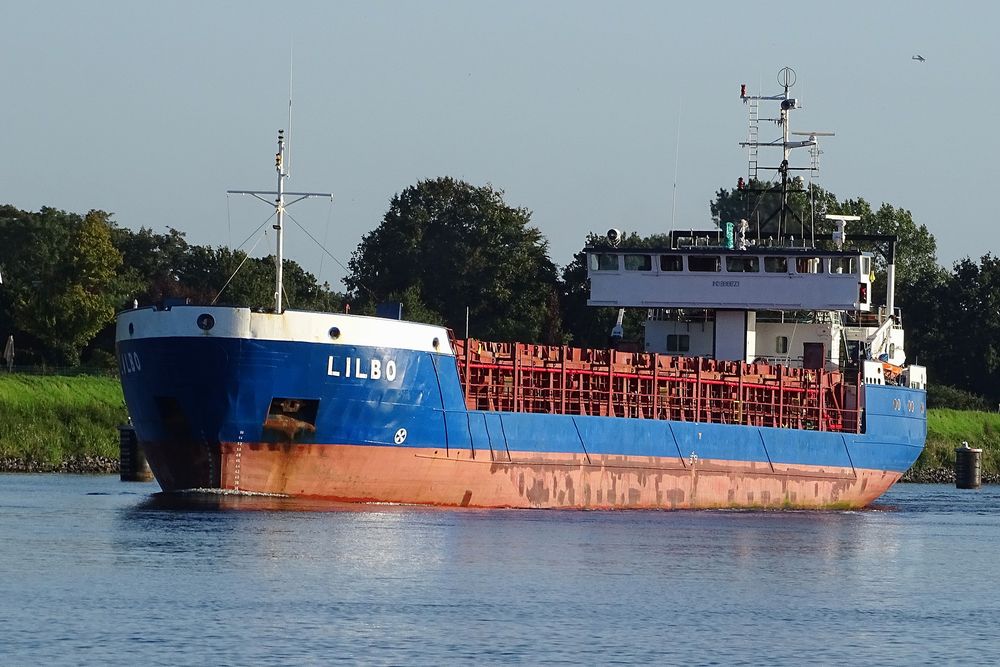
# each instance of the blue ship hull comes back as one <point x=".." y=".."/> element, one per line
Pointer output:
<point x="200" y="406"/>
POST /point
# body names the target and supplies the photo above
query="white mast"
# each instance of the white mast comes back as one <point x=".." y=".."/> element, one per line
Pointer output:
<point x="279" y="210"/>
<point x="786" y="78"/>
<point x="279" y="206"/>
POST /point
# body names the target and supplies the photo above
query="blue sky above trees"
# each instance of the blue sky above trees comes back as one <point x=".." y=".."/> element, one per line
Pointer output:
<point x="577" y="110"/>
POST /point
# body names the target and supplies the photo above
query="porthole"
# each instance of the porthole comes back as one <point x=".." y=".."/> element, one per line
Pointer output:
<point x="131" y="328"/>
<point x="205" y="321"/>
<point x="334" y="333"/>
<point x="436" y="343"/>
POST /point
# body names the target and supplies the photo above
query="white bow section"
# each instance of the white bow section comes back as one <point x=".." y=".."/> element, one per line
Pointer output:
<point x="291" y="326"/>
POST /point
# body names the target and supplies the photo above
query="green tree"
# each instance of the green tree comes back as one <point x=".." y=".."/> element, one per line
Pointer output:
<point x="445" y="245"/>
<point x="590" y="326"/>
<point x="926" y="310"/>
<point x="969" y="325"/>
<point x="166" y="266"/>
<point x="252" y="284"/>
<point x="916" y="249"/>
<point x="61" y="277"/>
<point x="153" y="262"/>
<point x="759" y="203"/>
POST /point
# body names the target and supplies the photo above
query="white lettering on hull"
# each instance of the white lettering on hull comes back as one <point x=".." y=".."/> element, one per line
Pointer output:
<point x="370" y="369"/>
<point x="130" y="363"/>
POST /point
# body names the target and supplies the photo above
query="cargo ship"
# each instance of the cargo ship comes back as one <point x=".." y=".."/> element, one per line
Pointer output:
<point x="765" y="378"/>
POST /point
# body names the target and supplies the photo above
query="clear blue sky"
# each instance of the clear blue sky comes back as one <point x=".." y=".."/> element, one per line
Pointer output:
<point x="153" y="110"/>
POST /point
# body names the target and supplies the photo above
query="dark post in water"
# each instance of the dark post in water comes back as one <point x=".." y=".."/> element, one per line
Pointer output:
<point x="968" y="467"/>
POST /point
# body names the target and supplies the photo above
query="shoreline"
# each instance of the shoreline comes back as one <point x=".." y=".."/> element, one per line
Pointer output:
<point x="77" y="465"/>
<point x="942" y="476"/>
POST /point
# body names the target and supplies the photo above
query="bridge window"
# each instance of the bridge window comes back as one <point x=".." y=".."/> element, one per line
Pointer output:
<point x="776" y="265"/>
<point x="638" y="262"/>
<point x="808" y="265"/>
<point x="848" y="265"/>
<point x="743" y="264"/>
<point x="704" y="263"/>
<point x="866" y="265"/>
<point x="678" y="342"/>
<point x="671" y="263"/>
<point x="781" y="345"/>
<point x="600" y="261"/>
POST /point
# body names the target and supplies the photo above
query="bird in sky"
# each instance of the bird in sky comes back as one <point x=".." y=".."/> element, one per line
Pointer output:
<point x="919" y="58"/>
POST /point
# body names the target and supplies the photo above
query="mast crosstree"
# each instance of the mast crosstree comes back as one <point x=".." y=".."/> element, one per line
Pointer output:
<point x="279" y="205"/>
<point x="786" y="79"/>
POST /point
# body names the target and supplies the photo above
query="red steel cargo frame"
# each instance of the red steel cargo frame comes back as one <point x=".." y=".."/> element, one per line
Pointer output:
<point x="518" y="377"/>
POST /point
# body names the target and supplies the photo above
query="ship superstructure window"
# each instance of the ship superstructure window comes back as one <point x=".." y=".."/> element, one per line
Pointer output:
<point x="808" y="265"/>
<point x="846" y="265"/>
<point x="776" y="265"/>
<point x="671" y="263"/>
<point x="743" y="264"/>
<point x="638" y="262"/>
<point x="705" y="263"/>
<point x="866" y="265"/>
<point x="600" y="261"/>
<point x="678" y="342"/>
<point x="781" y="345"/>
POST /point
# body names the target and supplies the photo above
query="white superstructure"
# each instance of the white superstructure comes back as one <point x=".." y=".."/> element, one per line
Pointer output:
<point x="759" y="278"/>
<point x="772" y="298"/>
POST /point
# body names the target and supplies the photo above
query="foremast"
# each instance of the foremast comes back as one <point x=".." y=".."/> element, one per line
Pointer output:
<point x="279" y="204"/>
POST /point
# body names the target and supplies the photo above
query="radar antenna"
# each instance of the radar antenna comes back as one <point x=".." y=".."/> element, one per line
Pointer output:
<point x="814" y="150"/>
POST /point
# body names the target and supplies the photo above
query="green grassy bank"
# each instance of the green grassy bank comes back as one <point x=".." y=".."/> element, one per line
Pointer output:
<point x="947" y="429"/>
<point x="47" y="421"/>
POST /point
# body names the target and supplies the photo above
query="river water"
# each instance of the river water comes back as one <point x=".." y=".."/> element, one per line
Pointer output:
<point x="93" y="571"/>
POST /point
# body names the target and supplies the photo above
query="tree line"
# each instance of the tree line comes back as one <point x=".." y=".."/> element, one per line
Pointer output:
<point x="65" y="275"/>
<point x="459" y="255"/>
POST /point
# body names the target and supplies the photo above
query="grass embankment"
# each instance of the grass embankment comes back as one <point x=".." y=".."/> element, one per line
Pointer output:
<point x="59" y="422"/>
<point x="947" y="429"/>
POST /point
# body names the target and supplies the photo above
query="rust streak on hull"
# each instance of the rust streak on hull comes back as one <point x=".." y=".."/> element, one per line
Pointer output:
<point x="532" y="480"/>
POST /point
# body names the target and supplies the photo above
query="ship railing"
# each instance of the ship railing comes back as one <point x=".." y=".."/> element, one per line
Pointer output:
<point x="779" y="360"/>
<point x="514" y="377"/>
<point x="868" y="320"/>
<point x="793" y="316"/>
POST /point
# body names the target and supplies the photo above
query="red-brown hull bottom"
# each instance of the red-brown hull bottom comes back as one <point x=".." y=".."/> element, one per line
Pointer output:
<point x="457" y="478"/>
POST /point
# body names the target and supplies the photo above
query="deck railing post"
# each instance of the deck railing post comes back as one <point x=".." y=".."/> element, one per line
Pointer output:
<point x="562" y="381"/>
<point x="611" y="383"/>
<point x="517" y="378"/>
<point x="697" y="391"/>
<point x="656" y="386"/>
<point x="781" y="397"/>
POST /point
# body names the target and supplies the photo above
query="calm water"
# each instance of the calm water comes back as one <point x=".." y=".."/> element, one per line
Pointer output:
<point x="93" y="570"/>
